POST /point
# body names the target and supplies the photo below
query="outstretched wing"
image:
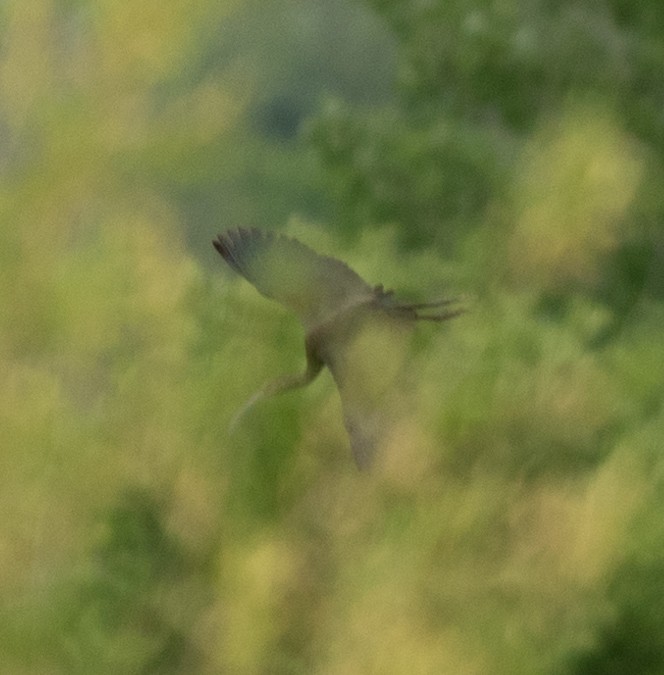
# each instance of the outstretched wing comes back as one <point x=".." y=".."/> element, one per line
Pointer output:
<point x="366" y="353"/>
<point x="311" y="285"/>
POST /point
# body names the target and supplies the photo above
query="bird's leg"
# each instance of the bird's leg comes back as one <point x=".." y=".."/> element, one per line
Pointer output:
<point x="281" y="384"/>
<point x="440" y="317"/>
<point x="443" y="316"/>
<point x="425" y="305"/>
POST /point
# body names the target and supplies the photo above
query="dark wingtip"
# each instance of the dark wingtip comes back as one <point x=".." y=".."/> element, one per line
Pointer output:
<point x="227" y="241"/>
<point x="217" y="243"/>
<point x="224" y="245"/>
<point x="237" y="247"/>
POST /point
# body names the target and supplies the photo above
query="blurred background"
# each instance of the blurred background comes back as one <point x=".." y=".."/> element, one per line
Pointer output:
<point x="513" y="152"/>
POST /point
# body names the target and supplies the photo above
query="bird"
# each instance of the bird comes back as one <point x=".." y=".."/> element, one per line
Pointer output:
<point x="354" y="329"/>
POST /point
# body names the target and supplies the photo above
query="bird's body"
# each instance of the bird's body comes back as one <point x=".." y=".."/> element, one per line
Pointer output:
<point x="354" y="329"/>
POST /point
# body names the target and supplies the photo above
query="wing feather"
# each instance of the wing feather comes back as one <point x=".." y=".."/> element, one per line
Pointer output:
<point x="281" y="268"/>
<point x="366" y="353"/>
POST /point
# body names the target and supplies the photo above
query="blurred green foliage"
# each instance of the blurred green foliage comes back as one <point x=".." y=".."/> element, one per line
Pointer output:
<point x="512" y="152"/>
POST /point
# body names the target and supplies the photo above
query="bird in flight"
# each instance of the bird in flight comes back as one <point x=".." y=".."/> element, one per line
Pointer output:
<point x="354" y="329"/>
